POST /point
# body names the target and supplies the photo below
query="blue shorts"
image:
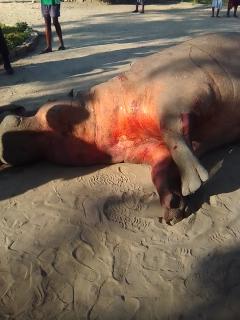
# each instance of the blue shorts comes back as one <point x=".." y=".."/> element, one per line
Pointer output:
<point x="51" y="10"/>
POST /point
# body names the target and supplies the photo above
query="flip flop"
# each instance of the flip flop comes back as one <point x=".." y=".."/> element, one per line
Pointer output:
<point x="61" y="48"/>
<point x="47" y="50"/>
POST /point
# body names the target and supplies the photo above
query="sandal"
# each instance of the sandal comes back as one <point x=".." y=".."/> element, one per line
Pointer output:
<point x="61" y="48"/>
<point x="47" y="50"/>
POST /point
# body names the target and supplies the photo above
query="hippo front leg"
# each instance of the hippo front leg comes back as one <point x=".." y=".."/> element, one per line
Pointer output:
<point x="165" y="176"/>
<point x="176" y="134"/>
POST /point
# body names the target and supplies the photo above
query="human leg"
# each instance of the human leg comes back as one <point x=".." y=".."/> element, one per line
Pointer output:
<point x="5" y="54"/>
<point x="59" y="32"/>
<point x="48" y="34"/>
<point x="235" y="11"/>
<point x="143" y="4"/>
<point x="136" y="10"/>
<point x="230" y="5"/>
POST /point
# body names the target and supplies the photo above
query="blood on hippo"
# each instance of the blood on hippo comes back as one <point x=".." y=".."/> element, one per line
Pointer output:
<point x="146" y="115"/>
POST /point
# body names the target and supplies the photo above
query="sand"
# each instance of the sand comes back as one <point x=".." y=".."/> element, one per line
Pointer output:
<point x="87" y="243"/>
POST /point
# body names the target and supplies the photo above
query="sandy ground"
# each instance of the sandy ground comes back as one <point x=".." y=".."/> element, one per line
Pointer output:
<point x="87" y="243"/>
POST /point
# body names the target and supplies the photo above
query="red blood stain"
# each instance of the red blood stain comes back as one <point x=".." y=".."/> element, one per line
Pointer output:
<point x="133" y="127"/>
<point x="122" y="77"/>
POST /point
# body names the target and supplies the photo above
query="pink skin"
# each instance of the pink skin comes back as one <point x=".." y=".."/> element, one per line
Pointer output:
<point x="67" y="135"/>
<point x="166" y="111"/>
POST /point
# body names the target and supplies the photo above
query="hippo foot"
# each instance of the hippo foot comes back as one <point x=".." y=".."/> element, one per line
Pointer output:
<point x="173" y="216"/>
<point x="193" y="177"/>
<point x="191" y="171"/>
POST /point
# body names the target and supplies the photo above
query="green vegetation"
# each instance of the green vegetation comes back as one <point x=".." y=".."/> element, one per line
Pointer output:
<point x="16" y="35"/>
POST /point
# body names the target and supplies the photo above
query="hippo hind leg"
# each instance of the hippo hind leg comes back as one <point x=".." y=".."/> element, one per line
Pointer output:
<point x="18" y="143"/>
<point x="176" y="137"/>
<point x="193" y="174"/>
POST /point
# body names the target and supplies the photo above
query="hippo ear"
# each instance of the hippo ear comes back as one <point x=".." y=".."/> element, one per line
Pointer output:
<point x="70" y="93"/>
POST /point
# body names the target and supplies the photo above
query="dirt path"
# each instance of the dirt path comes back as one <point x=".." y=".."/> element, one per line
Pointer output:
<point x="86" y="243"/>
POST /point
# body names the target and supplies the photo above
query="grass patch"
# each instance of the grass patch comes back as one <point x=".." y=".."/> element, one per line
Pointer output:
<point x="17" y="34"/>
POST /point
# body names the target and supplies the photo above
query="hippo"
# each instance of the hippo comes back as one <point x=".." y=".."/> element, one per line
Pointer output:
<point x="168" y="110"/>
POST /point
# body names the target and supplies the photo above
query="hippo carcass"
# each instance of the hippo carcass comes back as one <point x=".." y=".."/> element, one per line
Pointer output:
<point x="166" y="111"/>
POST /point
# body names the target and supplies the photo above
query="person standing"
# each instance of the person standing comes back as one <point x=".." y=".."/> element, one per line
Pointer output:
<point x="5" y="54"/>
<point x="139" y="3"/>
<point x="216" y="4"/>
<point x="232" y="4"/>
<point x="51" y="11"/>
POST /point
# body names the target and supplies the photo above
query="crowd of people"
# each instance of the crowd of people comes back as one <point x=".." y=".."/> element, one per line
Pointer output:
<point x="51" y="12"/>
<point x="217" y="5"/>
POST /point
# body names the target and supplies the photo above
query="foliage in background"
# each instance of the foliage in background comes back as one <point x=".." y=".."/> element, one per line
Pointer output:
<point x="17" y="34"/>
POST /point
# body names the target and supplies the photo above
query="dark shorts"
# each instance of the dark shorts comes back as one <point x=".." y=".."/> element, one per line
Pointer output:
<point x="233" y="3"/>
<point x="51" y="10"/>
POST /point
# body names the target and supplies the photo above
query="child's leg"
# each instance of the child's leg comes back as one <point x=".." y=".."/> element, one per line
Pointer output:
<point x="235" y="11"/>
<point x="229" y="8"/>
<point x="59" y="32"/>
<point x="136" y="10"/>
<point x="48" y="34"/>
<point x="142" y="3"/>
